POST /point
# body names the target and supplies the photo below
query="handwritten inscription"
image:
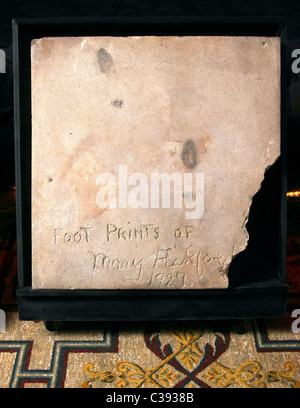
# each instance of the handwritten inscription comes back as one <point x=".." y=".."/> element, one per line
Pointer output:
<point x="80" y="235"/>
<point x="104" y="262"/>
<point x="145" y="231"/>
<point x="166" y="268"/>
<point x="171" y="267"/>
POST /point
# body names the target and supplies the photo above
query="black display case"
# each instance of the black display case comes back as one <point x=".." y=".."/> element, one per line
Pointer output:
<point x="257" y="286"/>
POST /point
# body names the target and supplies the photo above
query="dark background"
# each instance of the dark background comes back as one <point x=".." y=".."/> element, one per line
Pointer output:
<point x="10" y="9"/>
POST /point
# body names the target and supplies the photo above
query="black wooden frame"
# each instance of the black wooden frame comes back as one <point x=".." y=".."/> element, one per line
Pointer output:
<point x="257" y="286"/>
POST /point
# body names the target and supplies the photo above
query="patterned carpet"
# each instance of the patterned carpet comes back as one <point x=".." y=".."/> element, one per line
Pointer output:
<point x="191" y="356"/>
<point x="93" y="355"/>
